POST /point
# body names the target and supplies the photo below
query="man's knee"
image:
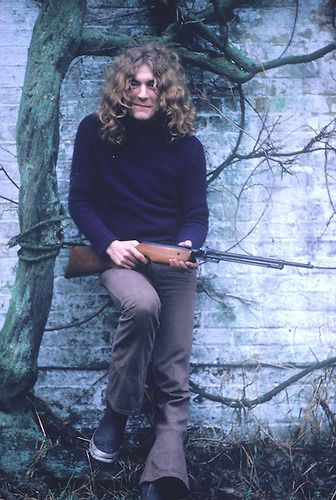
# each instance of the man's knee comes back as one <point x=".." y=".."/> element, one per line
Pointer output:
<point x="142" y="307"/>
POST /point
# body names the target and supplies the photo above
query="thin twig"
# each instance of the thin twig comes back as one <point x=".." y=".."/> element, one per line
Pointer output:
<point x="79" y="322"/>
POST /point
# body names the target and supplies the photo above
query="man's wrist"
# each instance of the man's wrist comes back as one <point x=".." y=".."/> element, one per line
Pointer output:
<point x="111" y="244"/>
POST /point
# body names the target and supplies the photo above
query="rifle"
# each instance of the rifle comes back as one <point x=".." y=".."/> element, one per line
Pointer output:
<point x="84" y="261"/>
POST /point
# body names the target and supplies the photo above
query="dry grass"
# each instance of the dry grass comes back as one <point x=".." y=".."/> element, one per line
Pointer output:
<point x="263" y="469"/>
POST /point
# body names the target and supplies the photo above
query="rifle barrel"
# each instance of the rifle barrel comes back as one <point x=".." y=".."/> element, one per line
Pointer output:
<point x="216" y="256"/>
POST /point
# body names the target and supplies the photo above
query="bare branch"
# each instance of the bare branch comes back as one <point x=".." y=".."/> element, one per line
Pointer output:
<point x="243" y="189"/>
<point x="9" y="199"/>
<point x="79" y="322"/>
<point x="215" y="173"/>
<point x="304" y="58"/>
<point x="8" y="151"/>
<point x="293" y="29"/>
<point x="251" y="403"/>
<point x="307" y="148"/>
<point x="2" y="169"/>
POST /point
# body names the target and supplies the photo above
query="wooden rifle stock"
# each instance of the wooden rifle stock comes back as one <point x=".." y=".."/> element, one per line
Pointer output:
<point x="84" y="261"/>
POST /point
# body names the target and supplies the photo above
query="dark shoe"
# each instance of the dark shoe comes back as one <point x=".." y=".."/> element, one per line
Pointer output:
<point x="107" y="438"/>
<point x="163" y="489"/>
<point x="150" y="491"/>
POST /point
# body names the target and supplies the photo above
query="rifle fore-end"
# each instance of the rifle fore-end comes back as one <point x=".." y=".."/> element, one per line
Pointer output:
<point x="84" y="261"/>
<point x="161" y="254"/>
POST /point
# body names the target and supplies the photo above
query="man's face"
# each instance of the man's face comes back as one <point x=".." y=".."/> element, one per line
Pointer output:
<point x="143" y="94"/>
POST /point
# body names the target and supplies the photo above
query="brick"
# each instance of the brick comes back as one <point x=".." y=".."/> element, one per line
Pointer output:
<point x="13" y="56"/>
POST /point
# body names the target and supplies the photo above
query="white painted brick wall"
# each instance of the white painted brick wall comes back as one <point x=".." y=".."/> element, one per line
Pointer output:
<point x="260" y="326"/>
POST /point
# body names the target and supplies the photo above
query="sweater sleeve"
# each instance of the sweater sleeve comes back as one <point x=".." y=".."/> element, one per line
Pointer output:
<point x="193" y="201"/>
<point x="83" y="179"/>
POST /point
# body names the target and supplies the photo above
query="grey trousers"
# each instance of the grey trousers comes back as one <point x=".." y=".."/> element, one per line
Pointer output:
<point x="156" y="323"/>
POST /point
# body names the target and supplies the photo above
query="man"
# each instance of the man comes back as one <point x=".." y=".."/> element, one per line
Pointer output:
<point x="138" y="174"/>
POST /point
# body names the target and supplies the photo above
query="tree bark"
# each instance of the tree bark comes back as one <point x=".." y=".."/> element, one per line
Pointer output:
<point x="55" y="41"/>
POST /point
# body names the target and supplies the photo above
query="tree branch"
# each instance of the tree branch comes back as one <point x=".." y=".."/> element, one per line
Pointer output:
<point x="95" y="42"/>
<point x="233" y="64"/>
<point x="79" y="322"/>
<point x="251" y="403"/>
<point x="304" y="58"/>
<point x="9" y="199"/>
<point x="2" y="169"/>
<point x="216" y="173"/>
<point x="293" y="29"/>
<point x="98" y="43"/>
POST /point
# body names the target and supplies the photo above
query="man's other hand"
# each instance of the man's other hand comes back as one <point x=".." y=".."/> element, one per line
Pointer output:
<point x="124" y="254"/>
<point x="179" y="264"/>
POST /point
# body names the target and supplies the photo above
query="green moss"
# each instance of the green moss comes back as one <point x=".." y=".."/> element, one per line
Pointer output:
<point x="20" y="440"/>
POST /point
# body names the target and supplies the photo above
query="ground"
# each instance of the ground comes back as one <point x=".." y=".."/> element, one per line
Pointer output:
<point x="256" y="469"/>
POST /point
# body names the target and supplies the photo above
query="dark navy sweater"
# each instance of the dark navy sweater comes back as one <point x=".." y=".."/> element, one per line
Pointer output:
<point x="147" y="189"/>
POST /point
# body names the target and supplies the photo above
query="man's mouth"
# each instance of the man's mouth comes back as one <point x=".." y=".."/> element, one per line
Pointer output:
<point x="141" y="105"/>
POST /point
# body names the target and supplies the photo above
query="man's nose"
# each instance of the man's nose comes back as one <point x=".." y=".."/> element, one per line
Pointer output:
<point x="143" y="91"/>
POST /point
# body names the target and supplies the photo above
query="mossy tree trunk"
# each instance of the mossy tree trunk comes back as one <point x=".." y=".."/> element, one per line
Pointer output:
<point x="55" y="40"/>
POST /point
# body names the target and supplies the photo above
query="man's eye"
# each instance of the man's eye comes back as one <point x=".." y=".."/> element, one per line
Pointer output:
<point x="134" y="83"/>
<point x="151" y="84"/>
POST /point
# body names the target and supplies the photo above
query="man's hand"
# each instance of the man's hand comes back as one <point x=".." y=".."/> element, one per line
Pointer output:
<point x="179" y="264"/>
<point x="124" y="254"/>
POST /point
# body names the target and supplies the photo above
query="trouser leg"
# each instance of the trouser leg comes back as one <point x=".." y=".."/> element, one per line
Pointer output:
<point x="132" y="292"/>
<point x="170" y="360"/>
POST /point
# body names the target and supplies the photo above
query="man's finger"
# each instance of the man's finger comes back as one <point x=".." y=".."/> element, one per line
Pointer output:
<point x="138" y="255"/>
<point x="186" y="243"/>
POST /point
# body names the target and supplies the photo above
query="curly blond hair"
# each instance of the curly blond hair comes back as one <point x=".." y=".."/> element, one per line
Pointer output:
<point x="175" y="110"/>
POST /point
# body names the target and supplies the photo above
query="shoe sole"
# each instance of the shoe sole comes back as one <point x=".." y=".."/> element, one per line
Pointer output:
<point x="102" y="456"/>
